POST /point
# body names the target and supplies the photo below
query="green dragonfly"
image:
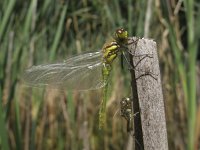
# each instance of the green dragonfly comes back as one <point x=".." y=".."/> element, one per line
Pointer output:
<point x="87" y="71"/>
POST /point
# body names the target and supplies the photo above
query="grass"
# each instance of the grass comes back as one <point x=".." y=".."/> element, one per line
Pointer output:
<point x="186" y="65"/>
<point x="3" y="128"/>
<point x="38" y="32"/>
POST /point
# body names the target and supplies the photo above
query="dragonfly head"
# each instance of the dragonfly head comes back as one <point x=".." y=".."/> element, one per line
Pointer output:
<point x="121" y="35"/>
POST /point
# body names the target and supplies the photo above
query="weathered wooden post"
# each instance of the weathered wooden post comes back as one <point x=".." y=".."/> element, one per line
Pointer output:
<point x="150" y="123"/>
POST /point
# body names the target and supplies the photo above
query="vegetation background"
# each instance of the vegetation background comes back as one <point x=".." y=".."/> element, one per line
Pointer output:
<point x="34" y="32"/>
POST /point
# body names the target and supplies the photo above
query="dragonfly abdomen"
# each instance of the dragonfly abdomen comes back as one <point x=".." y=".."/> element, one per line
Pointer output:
<point x="110" y="52"/>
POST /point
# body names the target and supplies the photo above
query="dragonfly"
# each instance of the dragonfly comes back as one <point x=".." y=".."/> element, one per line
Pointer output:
<point x="126" y="111"/>
<point x="89" y="71"/>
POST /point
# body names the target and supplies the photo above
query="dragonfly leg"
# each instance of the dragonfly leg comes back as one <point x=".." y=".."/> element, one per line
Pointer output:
<point x="135" y="114"/>
<point x="145" y="56"/>
<point x="148" y="74"/>
<point x="133" y="41"/>
<point x="125" y="49"/>
<point x="134" y="67"/>
<point x="135" y="44"/>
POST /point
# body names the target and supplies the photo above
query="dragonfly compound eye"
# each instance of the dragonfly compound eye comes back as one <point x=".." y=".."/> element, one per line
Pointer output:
<point x="121" y="34"/>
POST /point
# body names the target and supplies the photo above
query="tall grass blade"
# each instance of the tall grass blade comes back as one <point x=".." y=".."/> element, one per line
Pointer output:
<point x="3" y="128"/>
<point x="192" y="51"/>
<point x="6" y="17"/>
<point x="58" y="32"/>
<point x="18" y="126"/>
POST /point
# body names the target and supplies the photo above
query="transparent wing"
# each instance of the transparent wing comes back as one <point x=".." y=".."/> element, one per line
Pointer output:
<point x="82" y="72"/>
<point x="85" y="59"/>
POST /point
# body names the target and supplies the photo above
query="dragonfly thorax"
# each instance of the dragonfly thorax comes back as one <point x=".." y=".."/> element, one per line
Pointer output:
<point x="110" y="52"/>
<point x="126" y="108"/>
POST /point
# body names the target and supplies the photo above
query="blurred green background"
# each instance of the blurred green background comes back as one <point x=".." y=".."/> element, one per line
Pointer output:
<point x="35" y="32"/>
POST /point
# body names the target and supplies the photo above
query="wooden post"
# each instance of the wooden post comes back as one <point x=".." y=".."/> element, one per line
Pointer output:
<point x="150" y="123"/>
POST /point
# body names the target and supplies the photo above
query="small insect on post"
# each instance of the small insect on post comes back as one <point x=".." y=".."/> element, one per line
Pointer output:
<point x="149" y="124"/>
<point x="127" y="112"/>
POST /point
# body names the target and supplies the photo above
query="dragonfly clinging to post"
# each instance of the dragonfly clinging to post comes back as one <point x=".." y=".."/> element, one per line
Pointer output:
<point x="87" y="71"/>
<point x="127" y="112"/>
